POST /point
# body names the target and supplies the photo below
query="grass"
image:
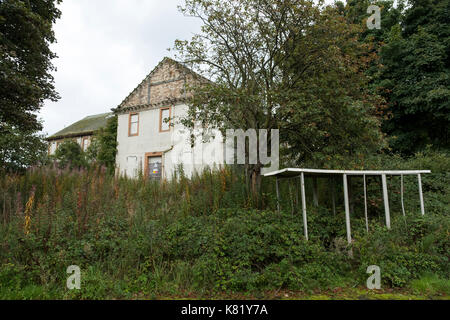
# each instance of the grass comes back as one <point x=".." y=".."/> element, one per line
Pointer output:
<point x="431" y="285"/>
<point x="37" y="292"/>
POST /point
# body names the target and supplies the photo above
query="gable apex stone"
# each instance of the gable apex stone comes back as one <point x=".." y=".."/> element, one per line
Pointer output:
<point x="165" y="84"/>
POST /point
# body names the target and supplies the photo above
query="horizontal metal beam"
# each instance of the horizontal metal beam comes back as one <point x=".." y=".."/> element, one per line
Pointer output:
<point x="291" y="172"/>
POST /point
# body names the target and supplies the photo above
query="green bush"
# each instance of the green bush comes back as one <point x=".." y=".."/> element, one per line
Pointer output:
<point x="69" y="153"/>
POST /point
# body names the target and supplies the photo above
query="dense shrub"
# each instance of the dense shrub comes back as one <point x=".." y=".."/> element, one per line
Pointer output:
<point x="69" y="153"/>
<point x="203" y="235"/>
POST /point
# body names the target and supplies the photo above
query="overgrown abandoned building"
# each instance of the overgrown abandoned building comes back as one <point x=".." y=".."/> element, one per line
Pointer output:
<point x="81" y="131"/>
<point x="148" y="132"/>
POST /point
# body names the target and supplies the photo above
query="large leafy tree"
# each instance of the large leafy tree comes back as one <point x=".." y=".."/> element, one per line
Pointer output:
<point x="288" y="65"/>
<point x="25" y="66"/>
<point x="355" y="12"/>
<point x="415" y="77"/>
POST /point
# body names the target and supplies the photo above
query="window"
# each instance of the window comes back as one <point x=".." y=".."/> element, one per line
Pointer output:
<point x="52" y="147"/>
<point x="85" y="143"/>
<point x="164" y="119"/>
<point x="133" y="124"/>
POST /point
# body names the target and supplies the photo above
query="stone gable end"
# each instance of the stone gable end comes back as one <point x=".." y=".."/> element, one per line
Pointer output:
<point x="166" y="83"/>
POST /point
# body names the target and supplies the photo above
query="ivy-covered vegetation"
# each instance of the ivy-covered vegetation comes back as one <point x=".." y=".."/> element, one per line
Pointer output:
<point x="203" y="237"/>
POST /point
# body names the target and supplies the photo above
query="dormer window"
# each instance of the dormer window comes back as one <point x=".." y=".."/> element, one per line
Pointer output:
<point x="133" y="124"/>
<point x="164" y="119"/>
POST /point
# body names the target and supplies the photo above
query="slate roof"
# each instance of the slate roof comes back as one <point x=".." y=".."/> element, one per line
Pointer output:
<point x="85" y="126"/>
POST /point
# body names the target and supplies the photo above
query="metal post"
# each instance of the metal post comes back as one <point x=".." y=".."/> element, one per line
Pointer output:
<point x="365" y="204"/>
<point x="347" y="210"/>
<point x="386" y="201"/>
<point x="422" y="207"/>
<point x="305" y="221"/>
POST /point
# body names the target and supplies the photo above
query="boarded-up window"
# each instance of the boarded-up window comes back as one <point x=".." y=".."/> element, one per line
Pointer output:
<point x="52" y="147"/>
<point x="132" y="166"/>
<point x="133" y="129"/>
<point x="154" y="168"/>
<point x="164" y="119"/>
<point x="86" y="142"/>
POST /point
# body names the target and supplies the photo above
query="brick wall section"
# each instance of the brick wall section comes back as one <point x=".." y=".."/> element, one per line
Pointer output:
<point x="166" y="82"/>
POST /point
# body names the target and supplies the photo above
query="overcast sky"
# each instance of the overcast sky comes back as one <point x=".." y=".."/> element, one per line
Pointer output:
<point x="105" y="49"/>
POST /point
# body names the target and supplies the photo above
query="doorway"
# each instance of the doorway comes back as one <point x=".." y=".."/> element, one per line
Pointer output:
<point x="154" y="166"/>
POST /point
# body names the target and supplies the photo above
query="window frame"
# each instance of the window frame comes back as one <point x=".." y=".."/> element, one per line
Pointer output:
<point x="161" y="119"/>
<point x="131" y="114"/>
<point x="83" y="143"/>
<point x="152" y="155"/>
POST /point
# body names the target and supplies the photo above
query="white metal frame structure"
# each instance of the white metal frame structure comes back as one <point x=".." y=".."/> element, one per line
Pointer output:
<point x="301" y="173"/>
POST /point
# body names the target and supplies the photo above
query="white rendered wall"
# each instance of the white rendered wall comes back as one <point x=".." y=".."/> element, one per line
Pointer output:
<point x="176" y="150"/>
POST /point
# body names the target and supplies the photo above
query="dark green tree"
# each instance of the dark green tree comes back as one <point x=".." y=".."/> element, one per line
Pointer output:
<point x="25" y="67"/>
<point x="355" y="11"/>
<point x="21" y="149"/>
<point x="415" y="77"/>
<point x="25" y="63"/>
